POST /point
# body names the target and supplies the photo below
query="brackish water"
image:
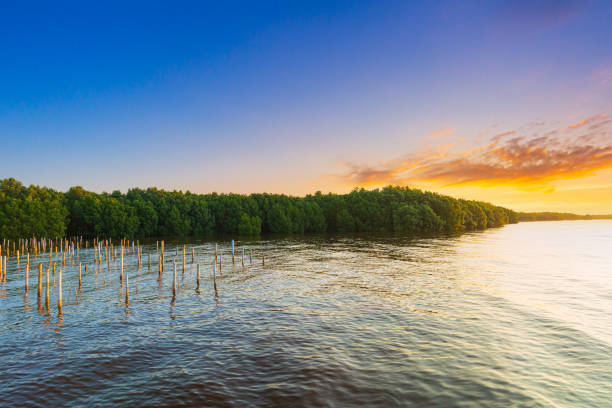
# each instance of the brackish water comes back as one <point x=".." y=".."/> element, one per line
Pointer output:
<point x="516" y="316"/>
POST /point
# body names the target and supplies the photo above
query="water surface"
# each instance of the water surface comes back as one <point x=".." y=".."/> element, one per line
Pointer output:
<point x="515" y="316"/>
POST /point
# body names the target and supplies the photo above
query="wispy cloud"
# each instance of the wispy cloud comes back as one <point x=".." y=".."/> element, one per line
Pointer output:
<point x="440" y="133"/>
<point x="528" y="158"/>
<point x="585" y="122"/>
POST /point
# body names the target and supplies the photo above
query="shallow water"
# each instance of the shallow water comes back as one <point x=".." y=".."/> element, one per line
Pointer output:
<point x="516" y="316"/>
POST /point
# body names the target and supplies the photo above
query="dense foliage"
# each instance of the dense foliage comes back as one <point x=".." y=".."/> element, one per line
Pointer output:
<point x="555" y="216"/>
<point x="36" y="211"/>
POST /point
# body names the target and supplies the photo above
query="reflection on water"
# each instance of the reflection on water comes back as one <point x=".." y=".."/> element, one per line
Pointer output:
<point x="517" y="316"/>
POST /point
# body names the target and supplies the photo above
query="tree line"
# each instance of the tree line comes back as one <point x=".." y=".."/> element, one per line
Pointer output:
<point x="557" y="216"/>
<point x="44" y="212"/>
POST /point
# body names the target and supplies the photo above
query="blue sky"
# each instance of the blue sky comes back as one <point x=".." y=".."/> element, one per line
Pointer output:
<point x="280" y="96"/>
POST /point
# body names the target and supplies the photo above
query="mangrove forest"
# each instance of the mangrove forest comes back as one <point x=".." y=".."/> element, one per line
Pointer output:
<point x="43" y="212"/>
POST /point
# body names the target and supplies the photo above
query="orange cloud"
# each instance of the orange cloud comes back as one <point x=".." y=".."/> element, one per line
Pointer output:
<point x="528" y="161"/>
<point x="584" y="122"/>
<point x="440" y="133"/>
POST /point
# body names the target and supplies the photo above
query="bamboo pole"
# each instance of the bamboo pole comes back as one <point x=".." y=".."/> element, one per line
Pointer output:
<point x="127" y="288"/>
<point x="233" y="257"/>
<point x="47" y="290"/>
<point x="59" y="298"/>
<point x="198" y="278"/>
<point x="27" y="278"/>
<point x="215" y="278"/>
<point x="174" y="284"/>
<point x="121" y="275"/>
<point x="184" y="259"/>
<point x="163" y="256"/>
<point x="40" y="267"/>
<point x="79" y="276"/>
<point x="251" y="256"/>
<point x="192" y="256"/>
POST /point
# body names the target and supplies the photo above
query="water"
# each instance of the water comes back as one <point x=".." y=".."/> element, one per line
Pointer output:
<point x="516" y="316"/>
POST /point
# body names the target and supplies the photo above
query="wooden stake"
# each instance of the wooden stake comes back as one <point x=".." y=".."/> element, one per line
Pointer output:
<point x="121" y="276"/>
<point x="27" y="278"/>
<point x="39" y="279"/>
<point x="47" y="290"/>
<point x="59" y="298"/>
<point x="198" y="278"/>
<point x="174" y="284"/>
<point x="215" y="277"/>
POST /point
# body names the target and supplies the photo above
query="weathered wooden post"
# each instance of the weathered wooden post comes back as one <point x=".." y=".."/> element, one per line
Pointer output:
<point x="27" y="278"/>
<point x="163" y="256"/>
<point x="59" y="298"/>
<point x="39" y="279"/>
<point x="121" y="275"/>
<point x="174" y="284"/>
<point x="198" y="278"/>
<point x="215" y="277"/>
<point x="47" y="290"/>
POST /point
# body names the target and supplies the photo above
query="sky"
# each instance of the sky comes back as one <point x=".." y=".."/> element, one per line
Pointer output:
<point x="507" y="102"/>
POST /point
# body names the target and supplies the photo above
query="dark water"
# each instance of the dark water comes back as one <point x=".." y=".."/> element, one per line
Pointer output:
<point x="517" y="316"/>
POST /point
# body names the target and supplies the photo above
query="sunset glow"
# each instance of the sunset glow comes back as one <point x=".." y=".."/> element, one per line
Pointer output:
<point x="509" y="102"/>
<point x="533" y="168"/>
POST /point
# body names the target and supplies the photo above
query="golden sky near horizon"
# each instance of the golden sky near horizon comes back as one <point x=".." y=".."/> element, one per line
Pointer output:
<point x="539" y="167"/>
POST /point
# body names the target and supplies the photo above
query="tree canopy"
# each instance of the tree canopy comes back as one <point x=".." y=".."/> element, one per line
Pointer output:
<point x="43" y="212"/>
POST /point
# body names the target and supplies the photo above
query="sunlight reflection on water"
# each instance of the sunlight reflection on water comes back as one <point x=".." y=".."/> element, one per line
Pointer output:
<point x="519" y="314"/>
